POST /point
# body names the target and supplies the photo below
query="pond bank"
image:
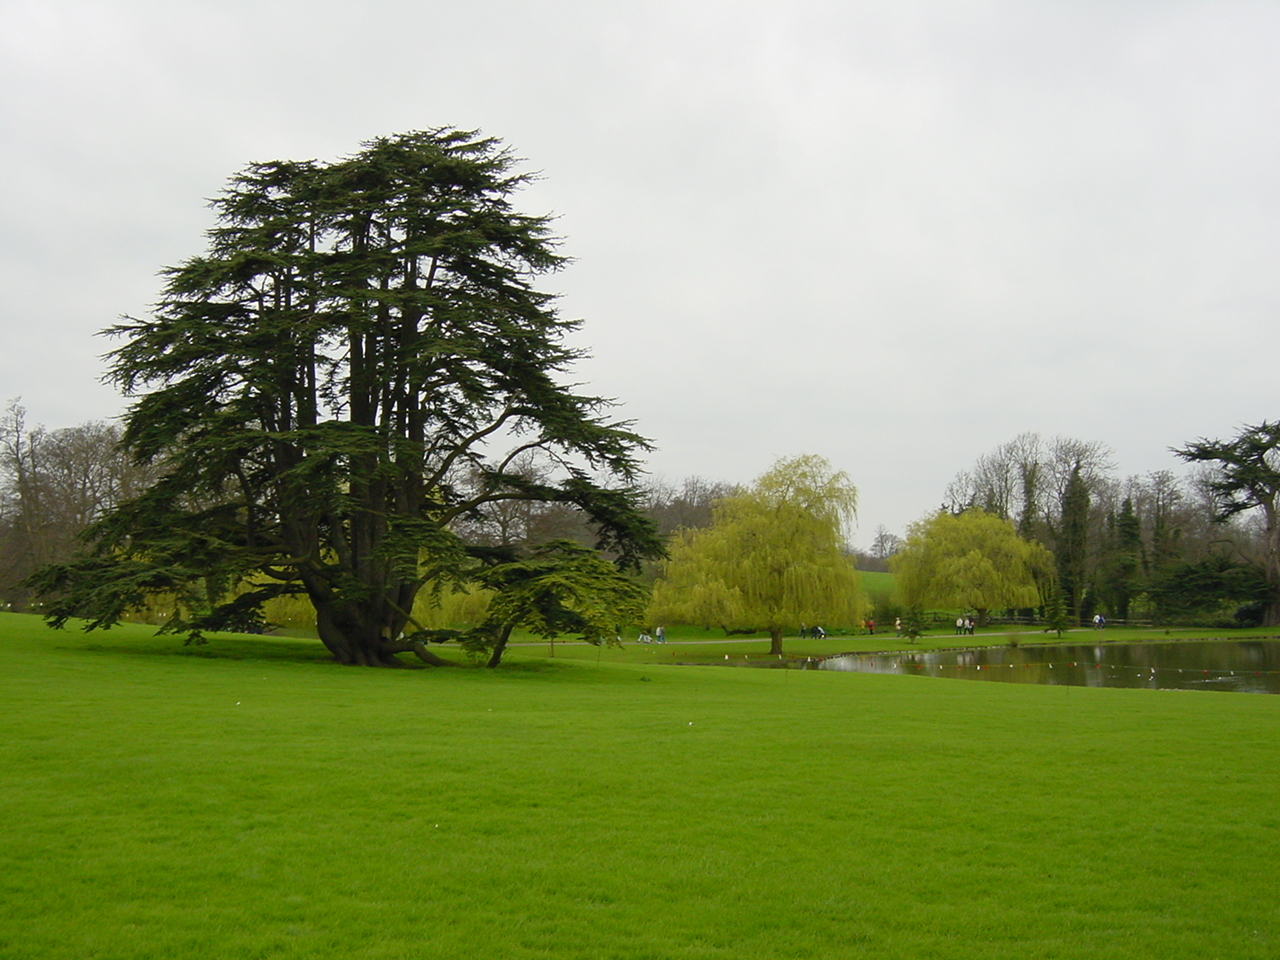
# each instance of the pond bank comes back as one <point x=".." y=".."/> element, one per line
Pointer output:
<point x="1246" y="666"/>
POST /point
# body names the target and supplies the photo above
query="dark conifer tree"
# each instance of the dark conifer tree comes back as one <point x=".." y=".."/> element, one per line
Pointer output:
<point x="328" y="389"/>
<point x="1120" y="572"/>
<point x="1246" y="476"/>
<point x="1072" y="541"/>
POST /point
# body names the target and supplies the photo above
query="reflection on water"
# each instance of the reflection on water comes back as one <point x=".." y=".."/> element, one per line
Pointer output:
<point x="1244" y="666"/>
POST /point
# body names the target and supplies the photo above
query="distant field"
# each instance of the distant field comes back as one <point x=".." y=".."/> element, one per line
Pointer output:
<point x="249" y="800"/>
<point x="876" y="583"/>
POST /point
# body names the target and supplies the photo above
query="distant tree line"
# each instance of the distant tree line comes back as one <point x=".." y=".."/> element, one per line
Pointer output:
<point x="1156" y="546"/>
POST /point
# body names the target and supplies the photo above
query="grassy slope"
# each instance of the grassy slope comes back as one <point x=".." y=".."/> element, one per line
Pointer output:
<point x="248" y="800"/>
<point x="875" y="582"/>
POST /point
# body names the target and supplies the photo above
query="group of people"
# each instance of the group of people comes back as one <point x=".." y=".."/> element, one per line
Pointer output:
<point x="659" y="636"/>
<point x="964" y="625"/>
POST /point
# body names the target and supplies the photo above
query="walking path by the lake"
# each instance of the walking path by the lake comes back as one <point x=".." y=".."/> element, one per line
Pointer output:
<point x="854" y="637"/>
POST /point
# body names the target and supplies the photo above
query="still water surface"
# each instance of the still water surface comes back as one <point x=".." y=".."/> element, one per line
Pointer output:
<point x="1242" y="666"/>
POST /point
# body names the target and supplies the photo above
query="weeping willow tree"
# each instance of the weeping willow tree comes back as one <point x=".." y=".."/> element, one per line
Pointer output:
<point x="773" y="557"/>
<point x="973" y="560"/>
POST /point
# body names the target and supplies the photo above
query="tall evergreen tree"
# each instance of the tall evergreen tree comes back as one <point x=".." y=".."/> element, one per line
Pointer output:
<point x="1166" y="549"/>
<point x="1120" y="572"/>
<point x="1072" y="543"/>
<point x="1029" y="477"/>
<point x="359" y="362"/>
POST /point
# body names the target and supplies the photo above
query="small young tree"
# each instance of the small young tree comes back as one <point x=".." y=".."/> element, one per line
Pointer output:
<point x="773" y="557"/>
<point x="913" y="625"/>
<point x="1055" y="611"/>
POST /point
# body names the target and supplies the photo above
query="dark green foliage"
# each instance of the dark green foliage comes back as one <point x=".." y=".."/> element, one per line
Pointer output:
<point x="1055" y="611"/>
<point x="1029" y="475"/>
<point x="1120" y="576"/>
<point x="1250" y="614"/>
<point x="1071" y="543"/>
<point x="1246" y="476"/>
<point x="326" y="390"/>
<point x="1208" y="585"/>
<point x="1247" y="471"/>
<point x="561" y="588"/>
<point x="913" y="624"/>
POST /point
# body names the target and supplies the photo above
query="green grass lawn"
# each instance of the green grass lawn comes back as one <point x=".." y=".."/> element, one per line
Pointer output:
<point x="249" y="800"/>
<point x="876" y="582"/>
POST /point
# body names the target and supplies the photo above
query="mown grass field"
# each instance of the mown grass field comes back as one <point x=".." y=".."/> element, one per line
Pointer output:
<point x="249" y="800"/>
<point x="875" y="582"/>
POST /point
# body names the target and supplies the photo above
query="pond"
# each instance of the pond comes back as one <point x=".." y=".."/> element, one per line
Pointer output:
<point x="1242" y="666"/>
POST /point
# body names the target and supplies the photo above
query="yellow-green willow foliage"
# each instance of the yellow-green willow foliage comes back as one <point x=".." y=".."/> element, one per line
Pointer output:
<point x="772" y="559"/>
<point x="971" y="561"/>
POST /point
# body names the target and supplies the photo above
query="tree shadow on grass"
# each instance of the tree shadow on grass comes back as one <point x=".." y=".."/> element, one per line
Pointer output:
<point x="138" y="640"/>
<point x="244" y="647"/>
<point x="298" y="651"/>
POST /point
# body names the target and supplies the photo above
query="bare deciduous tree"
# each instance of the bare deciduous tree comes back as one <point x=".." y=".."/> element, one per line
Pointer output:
<point x="54" y="483"/>
<point x="688" y="506"/>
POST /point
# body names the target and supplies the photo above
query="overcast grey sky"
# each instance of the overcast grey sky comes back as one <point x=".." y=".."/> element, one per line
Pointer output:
<point x="894" y="233"/>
